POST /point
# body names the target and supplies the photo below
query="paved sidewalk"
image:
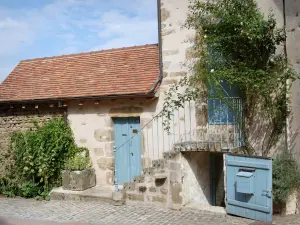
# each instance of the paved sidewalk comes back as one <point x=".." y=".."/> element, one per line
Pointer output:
<point x="31" y="212"/>
<point x="7" y="221"/>
<point x="104" y="214"/>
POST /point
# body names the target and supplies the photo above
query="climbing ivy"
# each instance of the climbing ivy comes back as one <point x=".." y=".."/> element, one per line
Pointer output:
<point x="39" y="157"/>
<point x="235" y="44"/>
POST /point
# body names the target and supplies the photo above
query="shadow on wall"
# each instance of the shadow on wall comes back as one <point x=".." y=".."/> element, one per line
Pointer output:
<point x="196" y="177"/>
<point x="262" y="136"/>
<point x="134" y="106"/>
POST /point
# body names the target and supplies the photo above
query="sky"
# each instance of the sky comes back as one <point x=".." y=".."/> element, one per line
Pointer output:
<point x="40" y="28"/>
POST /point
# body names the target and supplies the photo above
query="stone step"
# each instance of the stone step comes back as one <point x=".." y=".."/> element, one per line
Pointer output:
<point x="152" y="170"/>
<point x="159" y="163"/>
<point x="170" y="155"/>
<point x="99" y="194"/>
<point x="139" y="179"/>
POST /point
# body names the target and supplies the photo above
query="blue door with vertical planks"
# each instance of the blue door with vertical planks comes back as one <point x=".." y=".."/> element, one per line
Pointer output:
<point x="127" y="142"/>
<point x="249" y="187"/>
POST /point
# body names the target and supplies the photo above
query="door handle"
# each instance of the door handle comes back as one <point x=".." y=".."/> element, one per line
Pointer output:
<point x="268" y="193"/>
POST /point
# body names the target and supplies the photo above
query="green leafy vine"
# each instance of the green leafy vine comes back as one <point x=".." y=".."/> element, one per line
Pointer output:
<point x="39" y="156"/>
<point x="235" y="44"/>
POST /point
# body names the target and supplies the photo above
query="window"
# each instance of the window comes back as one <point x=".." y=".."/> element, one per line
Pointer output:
<point x="221" y="111"/>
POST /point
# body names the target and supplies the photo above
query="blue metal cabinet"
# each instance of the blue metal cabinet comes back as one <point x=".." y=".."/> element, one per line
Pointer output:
<point x="244" y="182"/>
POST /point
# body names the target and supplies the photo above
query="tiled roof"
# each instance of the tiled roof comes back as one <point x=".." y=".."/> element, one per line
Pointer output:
<point x="123" y="71"/>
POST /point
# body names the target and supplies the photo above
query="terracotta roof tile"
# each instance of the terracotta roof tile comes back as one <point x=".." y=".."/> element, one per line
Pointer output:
<point x="123" y="71"/>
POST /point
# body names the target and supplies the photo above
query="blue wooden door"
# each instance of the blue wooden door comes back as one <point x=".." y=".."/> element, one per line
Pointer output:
<point x="249" y="187"/>
<point x="128" y="155"/>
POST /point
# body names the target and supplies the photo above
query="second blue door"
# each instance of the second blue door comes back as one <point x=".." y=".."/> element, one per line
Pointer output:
<point x="127" y="142"/>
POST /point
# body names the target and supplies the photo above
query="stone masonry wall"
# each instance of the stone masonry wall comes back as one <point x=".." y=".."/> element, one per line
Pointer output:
<point x="293" y="51"/>
<point x="196" y="178"/>
<point x="93" y="128"/>
<point x="175" y="45"/>
<point x="19" y="118"/>
<point x="159" y="185"/>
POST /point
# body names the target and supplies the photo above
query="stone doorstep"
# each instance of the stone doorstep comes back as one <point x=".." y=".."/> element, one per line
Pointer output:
<point x="215" y="210"/>
<point x="99" y="194"/>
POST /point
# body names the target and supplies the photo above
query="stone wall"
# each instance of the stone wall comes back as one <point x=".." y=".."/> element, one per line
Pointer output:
<point x="293" y="50"/>
<point x="175" y="44"/>
<point x="93" y="128"/>
<point x="159" y="185"/>
<point x="196" y="178"/>
<point x="20" y="118"/>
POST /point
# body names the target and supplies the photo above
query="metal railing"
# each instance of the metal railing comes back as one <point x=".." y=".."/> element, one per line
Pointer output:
<point x="215" y="125"/>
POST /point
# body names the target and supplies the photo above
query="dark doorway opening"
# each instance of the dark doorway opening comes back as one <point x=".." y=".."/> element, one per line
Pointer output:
<point x="217" y="179"/>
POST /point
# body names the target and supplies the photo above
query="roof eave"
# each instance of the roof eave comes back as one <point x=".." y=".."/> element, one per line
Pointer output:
<point x="101" y="97"/>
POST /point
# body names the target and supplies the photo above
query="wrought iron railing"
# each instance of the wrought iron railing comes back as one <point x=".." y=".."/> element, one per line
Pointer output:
<point x="215" y="125"/>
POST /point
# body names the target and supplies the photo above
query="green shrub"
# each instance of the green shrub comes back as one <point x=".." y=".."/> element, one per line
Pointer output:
<point x="29" y="189"/>
<point x="9" y="187"/>
<point x="39" y="157"/>
<point x="80" y="161"/>
<point x="286" y="177"/>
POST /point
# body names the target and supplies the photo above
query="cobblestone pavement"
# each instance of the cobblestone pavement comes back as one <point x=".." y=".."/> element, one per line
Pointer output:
<point x="14" y="211"/>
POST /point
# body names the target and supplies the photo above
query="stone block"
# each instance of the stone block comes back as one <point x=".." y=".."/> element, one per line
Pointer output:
<point x="135" y="197"/>
<point x="166" y="65"/>
<point x="163" y="190"/>
<point x="175" y="177"/>
<point x="175" y="166"/>
<point x="109" y="149"/>
<point x="146" y="162"/>
<point x="78" y="180"/>
<point x="108" y="122"/>
<point x="170" y="155"/>
<point x="170" y="52"/>
<point x="190" y="53"/>
<point x="148" y="171"/>
<point x="83" y="140"/>
<point x="139" y="179"/>
<point x="166" y="32"/>
<point x="118" y="198"/>
<point x="105" y="163"/>
<point x="152" y="189"/>
<point x="103" y="135"/>
<point x="129" y="186"/>
<point x="178" y="74"/>
<point x="110" y="177"/>
<point x="159" y="163"/>
<point x="169" y="81"/>
<point x="160" y="199"/>
<point x="165" y="14"/>
<point x="176" y="190"/>
<point x="125" y="111"/>
<point x="99" y="151"/>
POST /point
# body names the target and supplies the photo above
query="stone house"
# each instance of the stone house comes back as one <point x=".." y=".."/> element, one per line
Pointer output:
<point x="113" y="99"/>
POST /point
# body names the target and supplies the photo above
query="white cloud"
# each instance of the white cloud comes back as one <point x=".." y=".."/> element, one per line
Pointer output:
<point x="13" y="34"/>
<point x="77" y="25"/>
<point x="121" y="31"/>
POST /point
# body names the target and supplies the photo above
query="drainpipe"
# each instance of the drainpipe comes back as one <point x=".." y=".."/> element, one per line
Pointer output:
<point x="160" y="77"/>
<point x="287" y="81"/>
